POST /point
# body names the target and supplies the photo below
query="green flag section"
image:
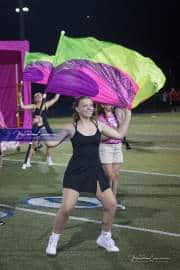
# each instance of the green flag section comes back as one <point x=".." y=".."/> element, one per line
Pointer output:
<point x="38" y="67"/>
<point x="142" y="69"/>
<point x="32" y="57"/>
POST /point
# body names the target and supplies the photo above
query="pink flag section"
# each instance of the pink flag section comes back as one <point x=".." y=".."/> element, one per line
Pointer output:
<point x="103" y="83"/>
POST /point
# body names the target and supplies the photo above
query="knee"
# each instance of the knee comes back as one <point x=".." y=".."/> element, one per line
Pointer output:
<point x="111" y="206"/>
<point x="111" y="176"/>
<point x="66" y="210"/>
<point x="116" y="173"/>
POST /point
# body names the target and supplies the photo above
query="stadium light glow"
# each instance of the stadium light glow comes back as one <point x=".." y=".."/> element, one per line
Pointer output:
<point x="25" y="9"/>
<point x="17" y="10"/>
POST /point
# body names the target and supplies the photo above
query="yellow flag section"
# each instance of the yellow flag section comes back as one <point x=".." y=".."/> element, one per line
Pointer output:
<point x="143" y="70"/>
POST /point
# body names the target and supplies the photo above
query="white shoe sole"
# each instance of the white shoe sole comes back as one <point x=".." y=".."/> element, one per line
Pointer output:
<point x="102" y="246"/>
<point x="25" y="166"/>
<point x="122" y="207"/>
<point x="49" y="253"/>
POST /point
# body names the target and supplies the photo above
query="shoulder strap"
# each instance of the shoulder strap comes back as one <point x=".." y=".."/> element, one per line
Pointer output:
<point x="75" y="125"/>
<point x="95" y="123"/>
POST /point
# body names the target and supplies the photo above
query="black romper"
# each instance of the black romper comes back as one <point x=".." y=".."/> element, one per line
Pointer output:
<point x="44" y="118"/>
<point x="84" y="168"/>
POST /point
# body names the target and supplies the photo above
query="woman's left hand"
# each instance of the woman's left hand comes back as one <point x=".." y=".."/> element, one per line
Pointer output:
<point x="120" y="115"/>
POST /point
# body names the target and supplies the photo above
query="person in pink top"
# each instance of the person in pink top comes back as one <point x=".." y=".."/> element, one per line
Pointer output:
<point x="110" y="150"/>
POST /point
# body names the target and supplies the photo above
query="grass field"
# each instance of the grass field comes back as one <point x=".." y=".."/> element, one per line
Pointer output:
<point x="148" y="232"/>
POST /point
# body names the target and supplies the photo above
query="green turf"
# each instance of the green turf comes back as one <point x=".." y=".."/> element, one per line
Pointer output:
<point x="152" y="202"/>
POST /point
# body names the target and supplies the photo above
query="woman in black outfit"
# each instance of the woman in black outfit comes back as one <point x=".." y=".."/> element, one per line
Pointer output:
<point x="39" y="119"/>
<point x="84" y="172"/>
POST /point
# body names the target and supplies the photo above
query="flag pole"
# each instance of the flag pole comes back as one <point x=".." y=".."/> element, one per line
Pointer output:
<point x="58" y="47"/>
<point x="17" y="96"/>
<point x="36" y="130"/>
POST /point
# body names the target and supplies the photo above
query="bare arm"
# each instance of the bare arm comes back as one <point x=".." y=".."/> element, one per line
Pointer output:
<point x="27" y="106"/>
<point x="54" y="140"/>
<point x="121" y="131"/>
<point x="52" y="101"/>
<point x="104" y="138"/>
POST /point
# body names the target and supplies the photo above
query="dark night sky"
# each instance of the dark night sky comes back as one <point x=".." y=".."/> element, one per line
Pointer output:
<point x="148" y="26"/>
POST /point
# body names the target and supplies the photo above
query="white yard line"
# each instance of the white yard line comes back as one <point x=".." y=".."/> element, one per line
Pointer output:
<point x="152" y="173"/>
<point x="92" y="221"/>
<point x="129" y="171"/>
<point x="175" y="148"/>
<point x="157" y="148"/>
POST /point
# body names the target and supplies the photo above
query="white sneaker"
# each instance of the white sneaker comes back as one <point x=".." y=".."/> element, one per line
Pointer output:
<point x="2" y="222"/>
<point x="24" y="166"/>
<point x="49" y="161"/>
<point x="52" y="247"/>
<point x="107" y="243"/>
<point x="121" y="206"/>
<point x="28" y="164"/>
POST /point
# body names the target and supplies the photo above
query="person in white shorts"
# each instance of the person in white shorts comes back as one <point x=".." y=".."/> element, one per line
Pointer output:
<point x="110" y="150"/>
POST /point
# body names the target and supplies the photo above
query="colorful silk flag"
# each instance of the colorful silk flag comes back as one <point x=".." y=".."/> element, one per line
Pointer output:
<point x="102" y="82"/>
<point x="142" y="70"/>
<point x="37" y="67"/>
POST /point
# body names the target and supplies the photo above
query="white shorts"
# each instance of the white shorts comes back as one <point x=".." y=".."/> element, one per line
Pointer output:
<point x="110" y="153"/>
